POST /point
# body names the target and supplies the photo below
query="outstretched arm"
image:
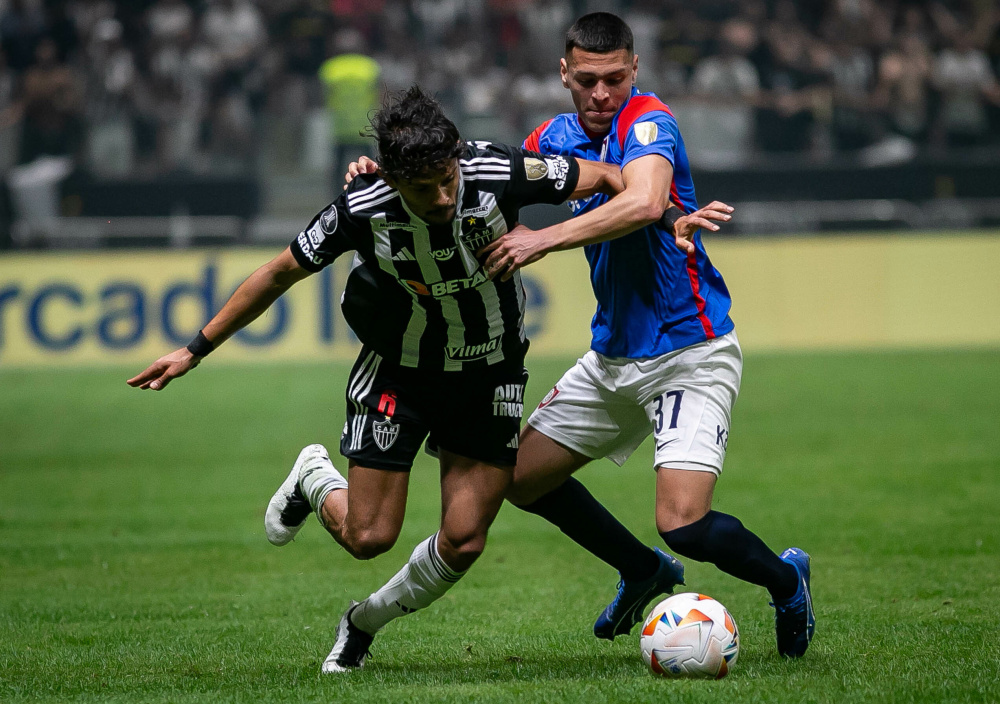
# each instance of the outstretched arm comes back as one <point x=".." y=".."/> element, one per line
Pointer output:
<point x="595" y="176"/>
<point x="253" y="297"/>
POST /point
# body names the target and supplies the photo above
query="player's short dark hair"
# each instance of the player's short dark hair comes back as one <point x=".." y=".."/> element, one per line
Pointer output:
<point x="600" y="33"/>
<point x="414" y="136"/>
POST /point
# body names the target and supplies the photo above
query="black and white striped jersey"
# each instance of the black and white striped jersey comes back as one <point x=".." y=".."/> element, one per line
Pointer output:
<point x="416" y="293"/>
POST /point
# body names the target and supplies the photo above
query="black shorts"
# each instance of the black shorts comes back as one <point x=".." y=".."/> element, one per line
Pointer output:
<point x="391" y="409"/>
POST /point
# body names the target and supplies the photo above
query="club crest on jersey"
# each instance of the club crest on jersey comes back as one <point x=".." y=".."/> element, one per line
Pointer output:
<point x="534" y="169"/>
<point x="328" y="220"/>
<point x="385" y="433"/>
<point x="476" y="233"/>
<point x="646" y="132"/>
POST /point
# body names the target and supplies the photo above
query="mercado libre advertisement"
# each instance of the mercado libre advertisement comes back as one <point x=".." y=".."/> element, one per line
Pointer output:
<point x="851" y="292"/>
<point x="131" y="307"/>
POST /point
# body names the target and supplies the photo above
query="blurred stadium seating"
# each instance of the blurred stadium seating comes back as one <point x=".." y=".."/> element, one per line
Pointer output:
<point x="811" y="115"/>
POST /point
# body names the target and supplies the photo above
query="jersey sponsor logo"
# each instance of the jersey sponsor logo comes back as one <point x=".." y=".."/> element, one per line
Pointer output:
<point x="383" y="224"/>
<point x="534" y="169"/>
<point x="328" y="221"/>
<point x="558" y="169"/>
<point x="440" y="289"/>
<point x="480" y="210"/>
<point x="443" y="255"/>
<point x="385" y="432"/>
<point x="403" y="255"/>
<point x="508" y="401"/>
<point x="387" y="403"/>
<point x="476" y="233"/>
<point x="307" y="248"/>
<point x="549" y="396"/>
<point x="471" y="352"/>
<point x="646" y="132"/>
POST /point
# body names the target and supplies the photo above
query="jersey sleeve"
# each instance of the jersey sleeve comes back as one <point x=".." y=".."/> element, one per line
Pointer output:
<point x="536" y="178"/>
<point x="652" y="133"/>
<point x="330" y="234"/>
<point x="533" y="141"/>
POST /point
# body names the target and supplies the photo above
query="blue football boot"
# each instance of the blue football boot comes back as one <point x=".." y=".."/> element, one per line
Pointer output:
<point x="627" y="609"/>
<point x="794" y="619"/>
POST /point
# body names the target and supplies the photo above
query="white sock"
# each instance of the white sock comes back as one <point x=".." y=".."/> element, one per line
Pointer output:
<point x="422" y="581"/>
<point x="317" y="478"/>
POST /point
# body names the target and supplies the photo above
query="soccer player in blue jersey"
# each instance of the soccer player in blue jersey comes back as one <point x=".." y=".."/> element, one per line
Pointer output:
<point x="664" y="358"/>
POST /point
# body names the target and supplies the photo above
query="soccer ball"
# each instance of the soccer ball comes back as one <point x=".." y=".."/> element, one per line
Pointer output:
<point x="690" y="635"/>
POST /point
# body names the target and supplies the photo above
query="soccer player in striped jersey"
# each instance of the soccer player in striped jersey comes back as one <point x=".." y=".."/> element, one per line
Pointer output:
<point x="664" y="358"/>
<point x="442" y="356"/>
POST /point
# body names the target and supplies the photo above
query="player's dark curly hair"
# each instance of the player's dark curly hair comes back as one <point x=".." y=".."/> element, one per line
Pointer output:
<point x="414" y="136"/>
<point x="601" y="33"/>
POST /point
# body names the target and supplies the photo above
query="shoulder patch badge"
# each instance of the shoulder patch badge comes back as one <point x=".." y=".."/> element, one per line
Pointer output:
<point x="328" y="220"/>
<point x="646" y="132"/>
<point x="534" y="169"/>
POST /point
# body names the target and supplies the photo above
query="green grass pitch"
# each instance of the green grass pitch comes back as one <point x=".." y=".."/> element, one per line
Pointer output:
<point x="133" y="565"/>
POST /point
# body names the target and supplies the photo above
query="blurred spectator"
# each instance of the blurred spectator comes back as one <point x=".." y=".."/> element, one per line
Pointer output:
<point x="793" y="86"/>
<point x="399" y="62"/>
<point x="199" y="84"/>
<point x="903" y="89"/>
<point x="50" y="107"/>
<point x="21" y="28"/>
<point x="963" y="75"/>
<point x="544" y="24"/>
<point x="853" y="73"/>
<point x="351" y="85"/>
<point x="727" y="85"/>
<point x="537" y="94"/>
<point x="235" y="29"/>
<point x="169" y="20"/>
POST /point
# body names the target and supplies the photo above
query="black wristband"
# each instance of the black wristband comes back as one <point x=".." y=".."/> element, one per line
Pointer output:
<point x="200" y="346"/>
<point x="670" y="216"/>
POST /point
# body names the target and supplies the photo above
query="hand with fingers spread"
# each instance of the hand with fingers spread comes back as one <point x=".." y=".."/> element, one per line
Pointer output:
<point x="363" y="165"/>
<point x="510" y="252"/>
<point x="686" y="225"/>
<point x="158" y="374"/>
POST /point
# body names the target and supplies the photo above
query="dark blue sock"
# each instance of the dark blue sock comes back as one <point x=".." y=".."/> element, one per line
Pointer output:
<point x="725" y="542"/>
<point x="575" y="511"/>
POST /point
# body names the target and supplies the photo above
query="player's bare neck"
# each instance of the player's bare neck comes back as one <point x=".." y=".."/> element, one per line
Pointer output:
<point x="593" y="135"/>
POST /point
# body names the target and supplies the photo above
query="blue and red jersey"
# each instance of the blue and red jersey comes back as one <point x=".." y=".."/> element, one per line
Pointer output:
<point x="652" y="298"/>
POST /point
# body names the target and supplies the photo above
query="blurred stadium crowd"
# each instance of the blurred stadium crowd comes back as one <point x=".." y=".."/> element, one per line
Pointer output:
<point x="152" y="86"/>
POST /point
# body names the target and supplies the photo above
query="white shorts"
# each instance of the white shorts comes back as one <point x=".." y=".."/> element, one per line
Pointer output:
<point x="606" y="406"/>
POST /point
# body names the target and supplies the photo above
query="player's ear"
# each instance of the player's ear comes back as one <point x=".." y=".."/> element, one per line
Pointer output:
<point x="635" y="67"/>
<point x="564" y="72"/>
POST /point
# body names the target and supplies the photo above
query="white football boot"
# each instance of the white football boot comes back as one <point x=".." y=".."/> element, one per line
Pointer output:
<point x="350" y="649"/>
<point x="289" y="508"/>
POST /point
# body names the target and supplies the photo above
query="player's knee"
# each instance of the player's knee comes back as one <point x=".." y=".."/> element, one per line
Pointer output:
<point x="367" y="544"/>
<point x="522" y="494"/>
<point x="460" y="549"/>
